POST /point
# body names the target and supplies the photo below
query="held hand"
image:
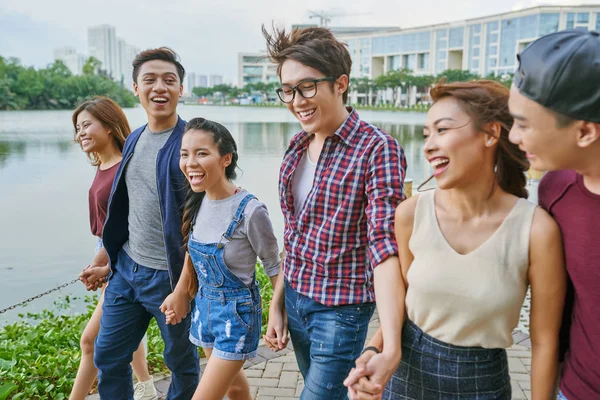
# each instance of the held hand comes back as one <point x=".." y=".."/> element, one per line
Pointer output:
<point x="378" y="369"/>
<point x="360" y="370"/>
<point x="175" y="307"/>
<point x="170" y="317"/>
<point x="82" y="277"/>
<point x="93" y="274"/>
<point x="94" y="277"/>
<point x="277" y="330"/>
<point x="94" y="286"/>
<point x="357" y="394"/>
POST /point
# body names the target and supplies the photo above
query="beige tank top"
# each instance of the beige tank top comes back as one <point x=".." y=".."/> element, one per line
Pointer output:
<point x="473" y="299"/>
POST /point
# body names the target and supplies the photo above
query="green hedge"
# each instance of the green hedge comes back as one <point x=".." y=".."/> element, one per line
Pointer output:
<point x="39" y="354"/>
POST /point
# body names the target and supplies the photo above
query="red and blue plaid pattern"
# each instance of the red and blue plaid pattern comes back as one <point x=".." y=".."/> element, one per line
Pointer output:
<point x="346" y="226"/>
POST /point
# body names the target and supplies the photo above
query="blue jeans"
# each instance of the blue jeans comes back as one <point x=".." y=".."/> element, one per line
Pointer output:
<point x="132" y="297"/>
<point x="327" y="341"/>
<point x="561" y="396"/>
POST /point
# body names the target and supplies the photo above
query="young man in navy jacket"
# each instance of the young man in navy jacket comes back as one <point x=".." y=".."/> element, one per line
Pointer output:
<point x="142" y="237"/>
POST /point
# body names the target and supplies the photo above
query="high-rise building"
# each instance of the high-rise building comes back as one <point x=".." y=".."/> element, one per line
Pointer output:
<point x="216" y="80"/>
<point x="126" y="54"/>
<point x="190" y="83"/>
<point x="202" y="81"/>
<point x="102" y="44"/>
<point x="73" y="60"/>
<point x="114" y="54"/>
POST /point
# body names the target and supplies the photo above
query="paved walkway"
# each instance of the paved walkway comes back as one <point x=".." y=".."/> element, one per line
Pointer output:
<point x="275" y="376"/>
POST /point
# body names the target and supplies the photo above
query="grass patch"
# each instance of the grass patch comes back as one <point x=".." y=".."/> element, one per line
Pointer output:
<point x="39" y="354"/>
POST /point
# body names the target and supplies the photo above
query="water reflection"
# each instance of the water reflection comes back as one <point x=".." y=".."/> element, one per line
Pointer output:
<point x="411" y="139"/>
<point x="11" y="149"/>
<point x="270" y="138"/>
<point x="44" y="182"/>
<point x="273" y="138"/>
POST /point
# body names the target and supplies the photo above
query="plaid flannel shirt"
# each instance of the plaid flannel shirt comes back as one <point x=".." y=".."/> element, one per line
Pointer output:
<point x="346" y="226"/>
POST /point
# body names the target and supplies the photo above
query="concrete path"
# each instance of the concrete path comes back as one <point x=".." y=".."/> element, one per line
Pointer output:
<point x="275" y="376"/>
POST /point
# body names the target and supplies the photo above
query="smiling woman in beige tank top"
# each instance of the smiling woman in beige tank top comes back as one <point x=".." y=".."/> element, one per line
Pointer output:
<point x="469" y="250"/>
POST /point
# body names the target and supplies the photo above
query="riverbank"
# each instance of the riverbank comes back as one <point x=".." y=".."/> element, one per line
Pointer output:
<point x="421" y="109"/>
<point x="40" y="353"/>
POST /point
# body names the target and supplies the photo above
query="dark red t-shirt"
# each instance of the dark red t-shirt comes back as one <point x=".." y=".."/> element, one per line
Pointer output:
<point x="99" y="194"/>
<point x="577" y="211"/>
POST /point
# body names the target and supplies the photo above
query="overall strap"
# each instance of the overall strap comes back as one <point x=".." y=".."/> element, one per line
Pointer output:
<point x="237" y="218"/>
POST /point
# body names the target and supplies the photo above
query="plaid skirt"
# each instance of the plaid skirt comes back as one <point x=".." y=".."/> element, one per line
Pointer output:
<point x="431" y="369"/>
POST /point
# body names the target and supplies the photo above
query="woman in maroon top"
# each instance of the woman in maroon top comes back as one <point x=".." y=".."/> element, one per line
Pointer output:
<point x="101" y="129"/>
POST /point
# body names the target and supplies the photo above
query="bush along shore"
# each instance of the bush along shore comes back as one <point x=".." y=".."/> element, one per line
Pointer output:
<point x="55" y="87"/>
<point x="39" y="354"/>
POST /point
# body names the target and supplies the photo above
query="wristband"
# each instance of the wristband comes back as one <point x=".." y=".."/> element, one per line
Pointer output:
<point x="375" y="349"/>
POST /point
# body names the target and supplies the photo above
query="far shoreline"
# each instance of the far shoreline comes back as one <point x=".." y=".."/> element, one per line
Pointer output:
<point x="422" y="110"/>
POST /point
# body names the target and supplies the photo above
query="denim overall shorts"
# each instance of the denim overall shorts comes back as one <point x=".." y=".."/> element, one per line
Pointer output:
<point x="227" y="316"/>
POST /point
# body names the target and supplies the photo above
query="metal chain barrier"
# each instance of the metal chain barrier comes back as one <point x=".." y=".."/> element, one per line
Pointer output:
<point x="38" y="296"/>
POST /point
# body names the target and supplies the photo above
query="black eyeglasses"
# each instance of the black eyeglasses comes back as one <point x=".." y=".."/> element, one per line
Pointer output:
<point x="306" y="88"/>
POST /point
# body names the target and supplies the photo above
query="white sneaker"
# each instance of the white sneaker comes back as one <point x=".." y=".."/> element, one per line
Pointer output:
<point x="145" y="390"/>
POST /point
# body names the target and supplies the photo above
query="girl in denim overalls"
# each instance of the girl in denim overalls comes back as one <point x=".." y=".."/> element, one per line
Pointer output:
<point x="225" y="228"/>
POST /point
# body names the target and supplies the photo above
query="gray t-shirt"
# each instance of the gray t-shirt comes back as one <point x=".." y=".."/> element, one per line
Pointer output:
<point x="146" y="244"/>
<point x="253" y="237"/>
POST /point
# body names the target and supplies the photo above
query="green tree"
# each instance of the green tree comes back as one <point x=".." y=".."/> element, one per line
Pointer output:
<point x="202" y="91"/>
<point x="58" y="68"/>
<point x="7" y="98"/>
<point x="224" y="92"/>
<point x="394" y="79"/>
<point x="423" y="83"/>
<point x="505" y="79"/>
<point x="54" y="87"/>
<point x="362" y="85"/>
<point x="91" y="66"/>
<point x="263" y="88"/>
<point x="457" y="75"/>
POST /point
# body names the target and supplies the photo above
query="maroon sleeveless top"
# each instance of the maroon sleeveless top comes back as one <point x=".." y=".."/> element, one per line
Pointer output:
<point x="98" y="197"/>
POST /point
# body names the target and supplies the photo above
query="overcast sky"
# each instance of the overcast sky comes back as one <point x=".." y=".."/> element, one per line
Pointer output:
<point x="208" y="35"/>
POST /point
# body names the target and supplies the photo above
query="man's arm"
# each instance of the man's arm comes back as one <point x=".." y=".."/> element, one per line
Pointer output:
<point x="385" y="180"/>
<point x="368" y="364"/>
<point x="384" y="189"/>
<point x="177" y="305"/>
<point x="549" y="189"/>
<point x="101" y="258"/>
<point x="547" y="277"/>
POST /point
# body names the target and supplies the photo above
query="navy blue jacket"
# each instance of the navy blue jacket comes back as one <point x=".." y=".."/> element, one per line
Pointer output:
<point x="171" y="193"/>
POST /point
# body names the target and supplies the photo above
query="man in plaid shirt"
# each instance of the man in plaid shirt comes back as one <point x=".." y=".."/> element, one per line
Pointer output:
<point x="340" y="182"/>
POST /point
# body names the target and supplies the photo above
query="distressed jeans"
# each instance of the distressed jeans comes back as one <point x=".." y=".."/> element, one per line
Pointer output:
<point x="327" y="341"/>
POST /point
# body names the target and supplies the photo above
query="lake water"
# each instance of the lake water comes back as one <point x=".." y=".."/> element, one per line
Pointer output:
<point x="45" y="238"/>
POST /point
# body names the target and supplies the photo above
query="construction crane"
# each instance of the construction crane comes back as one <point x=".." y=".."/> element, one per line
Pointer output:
<point x="325" y="16"/>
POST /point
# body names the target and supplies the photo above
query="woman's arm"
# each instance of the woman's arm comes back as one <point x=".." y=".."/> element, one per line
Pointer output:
<point x="177" y="305"/>
<point x="370" y="364"/>
<point x="264" y="243"/>
<point x="547" y="277"/>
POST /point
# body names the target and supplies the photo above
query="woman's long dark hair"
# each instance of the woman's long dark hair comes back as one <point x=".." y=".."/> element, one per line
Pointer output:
<point x="486" y="102"/>
<point x="226" y="145"/>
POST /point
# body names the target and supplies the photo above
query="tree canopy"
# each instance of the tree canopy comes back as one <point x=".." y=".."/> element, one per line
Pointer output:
<point x="55" y="87"/>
